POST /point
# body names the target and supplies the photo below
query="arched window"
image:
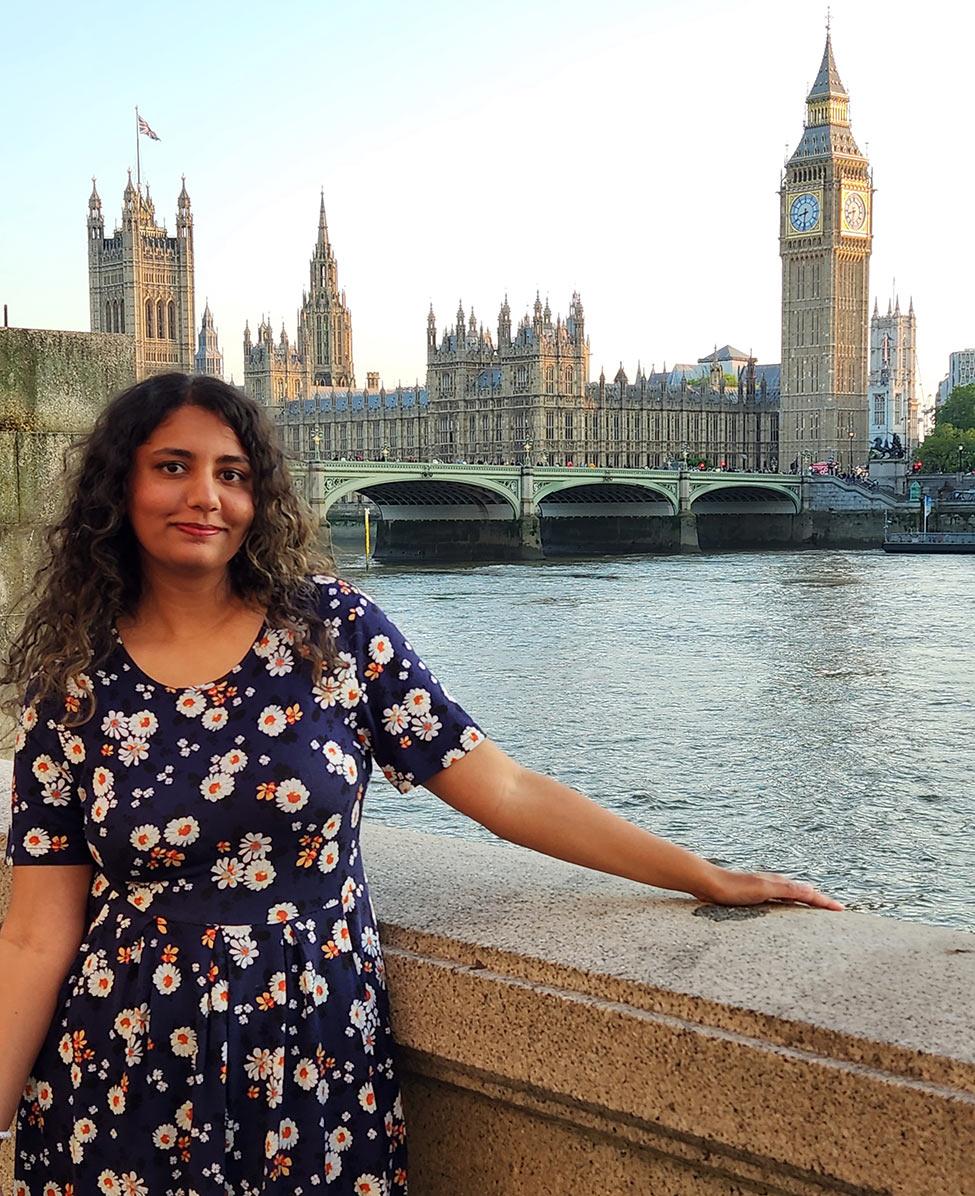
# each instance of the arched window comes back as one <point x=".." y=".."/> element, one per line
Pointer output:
<point x="115" y="319"/>
<point x="171" y="320"/>
<point x="121" y="316"/>
<point x="160" y="319"/>
<point x="108" y="316"/>
<point x="550" y="380"/>
<point x="148" y="317"/>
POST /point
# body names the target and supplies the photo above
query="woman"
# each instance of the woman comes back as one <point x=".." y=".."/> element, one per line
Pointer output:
<point x="193" y="995"/>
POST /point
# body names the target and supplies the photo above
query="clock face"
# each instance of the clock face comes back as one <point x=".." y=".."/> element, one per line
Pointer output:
<point x="804" y="212"/>
<point x="854" y="212"/>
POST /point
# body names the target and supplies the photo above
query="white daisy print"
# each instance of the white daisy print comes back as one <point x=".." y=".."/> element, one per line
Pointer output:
<point x="115" y="725"/>
<point x="259" y="874"/>
<point x="253" y="847"/>
<point x="217" y="786"/>
<point x="167" y="978"/>
<point x="215" y="718"/>
<point x="191" y="703"/>
<point x="143" y="723"/>
<point x="291" y="795"/>
<point x="132" y="750"/>
<point x="233" y="761"/>
<point x="272" y="721"/>
<point x="417" y="701"/>
<point x="380" y="649"/>
<point x="145" y="837"/>
<point x="181" y="831"/>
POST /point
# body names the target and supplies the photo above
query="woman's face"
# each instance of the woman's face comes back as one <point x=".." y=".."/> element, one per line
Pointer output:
<point x="191" y="498"/>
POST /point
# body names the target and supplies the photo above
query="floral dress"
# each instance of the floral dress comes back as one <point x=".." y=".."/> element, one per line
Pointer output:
<point x="225" y="1029"/>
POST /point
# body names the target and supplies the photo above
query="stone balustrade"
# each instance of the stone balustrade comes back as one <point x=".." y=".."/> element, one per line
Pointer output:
<point x="566" y="1032"/>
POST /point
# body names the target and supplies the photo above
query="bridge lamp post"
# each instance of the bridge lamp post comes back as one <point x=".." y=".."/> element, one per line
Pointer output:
<point x="683" y="455"/>
<point x="961" y="450"/>
<point x="385" y="452"/>
<point x="852" y="434"/>
<point x="317" y="441"/>
<point x="527" y="447"/>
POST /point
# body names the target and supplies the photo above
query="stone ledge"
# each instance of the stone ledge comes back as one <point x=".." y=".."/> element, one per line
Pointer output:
<point x="790" y="1051"/>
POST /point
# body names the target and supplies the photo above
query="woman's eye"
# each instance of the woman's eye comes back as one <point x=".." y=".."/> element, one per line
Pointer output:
<point x="172" y="467"/>
<point x="234" y="475"/>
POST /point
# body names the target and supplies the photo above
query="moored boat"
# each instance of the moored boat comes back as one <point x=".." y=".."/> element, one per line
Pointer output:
<point x="951" y="542"/>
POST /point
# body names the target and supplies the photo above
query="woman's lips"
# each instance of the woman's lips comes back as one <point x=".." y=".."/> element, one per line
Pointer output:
<point x="200" y="530"/>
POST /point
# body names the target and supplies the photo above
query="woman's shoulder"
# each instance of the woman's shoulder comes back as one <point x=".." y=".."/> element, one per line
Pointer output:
<point x="343" y="605"/>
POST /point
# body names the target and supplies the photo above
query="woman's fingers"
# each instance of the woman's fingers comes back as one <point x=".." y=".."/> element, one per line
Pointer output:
<point x="752" y="888"/>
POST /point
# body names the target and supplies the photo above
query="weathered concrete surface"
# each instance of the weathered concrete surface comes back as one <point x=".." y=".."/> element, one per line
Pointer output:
<point x="564" y="1031"/>
<point x="52" y="387"/>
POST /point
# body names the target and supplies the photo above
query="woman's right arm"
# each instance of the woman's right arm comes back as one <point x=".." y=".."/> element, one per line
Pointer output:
<point x="39" y="940"/>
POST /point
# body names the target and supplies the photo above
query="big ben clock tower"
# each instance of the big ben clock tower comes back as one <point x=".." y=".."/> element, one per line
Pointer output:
<point x="825" y="238"/>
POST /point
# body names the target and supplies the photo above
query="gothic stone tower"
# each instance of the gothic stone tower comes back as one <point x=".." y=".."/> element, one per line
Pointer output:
<point x="325" y="322"/>
<point x="140" y="281"/>
<point x="209" y="359"/>
<point x="825" y="239"/>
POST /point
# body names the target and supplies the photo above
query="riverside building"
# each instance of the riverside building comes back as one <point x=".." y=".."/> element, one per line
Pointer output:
<point x="140" y="280"/>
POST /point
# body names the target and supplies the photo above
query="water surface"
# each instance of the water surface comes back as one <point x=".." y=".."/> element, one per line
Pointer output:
<point x="809" y="713"/>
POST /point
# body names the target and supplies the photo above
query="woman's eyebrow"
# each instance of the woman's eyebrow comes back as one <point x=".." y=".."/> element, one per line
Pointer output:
<point x="226" y="459"/>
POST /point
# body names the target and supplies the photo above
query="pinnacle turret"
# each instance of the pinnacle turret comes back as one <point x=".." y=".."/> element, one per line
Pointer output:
<point x="828" y="83"/>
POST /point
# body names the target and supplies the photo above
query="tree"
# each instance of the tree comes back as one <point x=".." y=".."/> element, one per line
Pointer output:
<point x="939" y="452"/>
<point x="958" y="409"/>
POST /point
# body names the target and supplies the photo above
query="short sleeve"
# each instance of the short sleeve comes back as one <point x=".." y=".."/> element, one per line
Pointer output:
<point x="47" y="819"/>
<point x="412" y="726"/>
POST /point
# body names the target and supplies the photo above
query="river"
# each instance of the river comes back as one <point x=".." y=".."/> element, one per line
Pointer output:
<point x="809" y="712"/>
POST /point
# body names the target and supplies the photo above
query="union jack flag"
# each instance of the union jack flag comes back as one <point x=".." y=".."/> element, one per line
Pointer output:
<point x="145" y="129"/>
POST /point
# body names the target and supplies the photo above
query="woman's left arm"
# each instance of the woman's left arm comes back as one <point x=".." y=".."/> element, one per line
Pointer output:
<point x="535" y="811"/>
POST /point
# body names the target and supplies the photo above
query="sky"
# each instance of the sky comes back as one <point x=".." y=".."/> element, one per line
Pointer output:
<point x="627" y="149"/>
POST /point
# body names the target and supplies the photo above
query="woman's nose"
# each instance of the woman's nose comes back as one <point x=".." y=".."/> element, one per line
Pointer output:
<point x="203" y="493"/>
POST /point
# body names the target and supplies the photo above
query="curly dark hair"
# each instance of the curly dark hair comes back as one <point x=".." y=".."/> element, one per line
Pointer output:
<point x="92" y="573"/>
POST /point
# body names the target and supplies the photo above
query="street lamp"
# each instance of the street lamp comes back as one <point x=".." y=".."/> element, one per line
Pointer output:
<point x="527" y="447"/>
<point x="961" y="450"/>
<point x="852" y="435"/>
<point x="683" y="455"/>
<point x="385" y="453"/>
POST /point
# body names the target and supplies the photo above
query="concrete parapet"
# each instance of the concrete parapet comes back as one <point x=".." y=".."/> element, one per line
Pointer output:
<point x="567" y="1032"/>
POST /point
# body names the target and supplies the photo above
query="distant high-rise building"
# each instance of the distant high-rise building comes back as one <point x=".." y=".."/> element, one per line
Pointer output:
<point x="893" y="398"/>
<point x="961" y="369"/>
<point x="140" y="280"/>
<point x="209" y="359"/>
<point x="825" y="242"/>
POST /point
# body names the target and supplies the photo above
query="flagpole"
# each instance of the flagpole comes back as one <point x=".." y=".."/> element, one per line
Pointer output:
<point x="138" y="162"/>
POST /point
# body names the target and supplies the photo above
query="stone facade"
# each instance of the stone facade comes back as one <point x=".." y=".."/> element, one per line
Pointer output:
<point x="322" y="356"/>
<point x="528" y="396"/>
<point x="209" y="359"/>
<point x="140" y="281"/>
<point x="893" y="397"/>
<point x="825" y="241"/>
<point x="52" y="387"/>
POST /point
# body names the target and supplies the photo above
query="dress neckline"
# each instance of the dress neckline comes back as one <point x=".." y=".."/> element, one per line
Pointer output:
<point x="203" y="685"/>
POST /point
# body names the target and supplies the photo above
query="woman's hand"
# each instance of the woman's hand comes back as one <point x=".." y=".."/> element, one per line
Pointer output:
<point x="725" y="887"/>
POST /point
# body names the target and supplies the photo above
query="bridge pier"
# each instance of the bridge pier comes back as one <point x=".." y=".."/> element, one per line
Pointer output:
<point x="689" y="541"/>
<point x="687" y="535"/>
<point x="530" y="537"/>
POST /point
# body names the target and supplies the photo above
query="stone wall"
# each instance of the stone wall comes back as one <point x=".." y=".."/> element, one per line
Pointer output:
<point x="52" y="386"/>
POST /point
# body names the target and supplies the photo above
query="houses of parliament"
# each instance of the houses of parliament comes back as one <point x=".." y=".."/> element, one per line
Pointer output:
<point x="518" y="388"/>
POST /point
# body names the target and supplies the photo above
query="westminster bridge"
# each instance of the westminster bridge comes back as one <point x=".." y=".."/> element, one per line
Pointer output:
<point x="438" y="510"/>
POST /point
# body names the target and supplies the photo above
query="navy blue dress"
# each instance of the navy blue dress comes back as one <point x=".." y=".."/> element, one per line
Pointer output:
<point x="224" y="1029"/>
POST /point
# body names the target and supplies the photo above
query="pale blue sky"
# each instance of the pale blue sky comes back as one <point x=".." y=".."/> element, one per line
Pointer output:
<point x="628" y="149"/>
